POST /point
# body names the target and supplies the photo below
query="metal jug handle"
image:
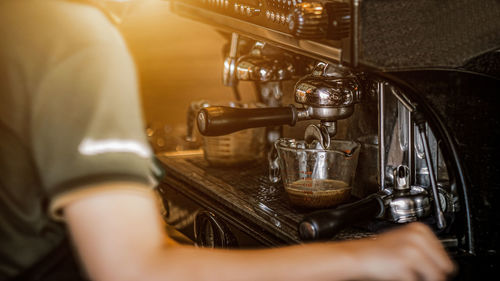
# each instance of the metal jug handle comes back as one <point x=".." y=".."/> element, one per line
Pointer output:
<point x="274" y="168"/>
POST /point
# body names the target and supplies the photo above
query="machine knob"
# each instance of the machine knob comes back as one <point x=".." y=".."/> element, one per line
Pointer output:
<point x="211" y="232"/>
<point x="308" y="20"/>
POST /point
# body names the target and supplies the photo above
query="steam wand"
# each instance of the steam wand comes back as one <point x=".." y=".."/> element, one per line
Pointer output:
<point x="228" y="75"/>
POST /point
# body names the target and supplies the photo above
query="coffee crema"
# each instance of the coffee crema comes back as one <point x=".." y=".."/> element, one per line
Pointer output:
<point x="318" y="193"/>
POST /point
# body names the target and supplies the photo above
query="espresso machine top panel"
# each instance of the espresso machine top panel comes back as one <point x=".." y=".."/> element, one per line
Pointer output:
<point x="275" y="21"/>
<point x="382" y="35"/>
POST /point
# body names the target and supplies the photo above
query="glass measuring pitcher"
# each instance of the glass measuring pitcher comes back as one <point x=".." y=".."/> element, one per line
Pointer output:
<point x="314" y="177"/>
<point x="238" y="148"/>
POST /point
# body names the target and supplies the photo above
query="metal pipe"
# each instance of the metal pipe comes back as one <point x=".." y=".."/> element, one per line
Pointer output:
<point x="381" y="133"/>
<point x="403" y="100"/>
<point x="229" y="76"/>
<point x="440" y="220"/>
<point x="411" y="148"/>
<point x="355" y="36"/>
<point x="233" y="51"/>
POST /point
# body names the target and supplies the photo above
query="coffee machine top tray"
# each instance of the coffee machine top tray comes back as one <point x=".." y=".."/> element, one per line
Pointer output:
<point x="380" y="35"/>
<point x="250" y="26"/>
<point x="246" y="192"/>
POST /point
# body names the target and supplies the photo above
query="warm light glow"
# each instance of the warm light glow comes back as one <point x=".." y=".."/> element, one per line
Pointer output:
<point x="179" y="61"/>
<point x="95" y="147"/>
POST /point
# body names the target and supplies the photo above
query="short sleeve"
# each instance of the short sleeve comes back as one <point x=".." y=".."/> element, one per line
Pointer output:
<point x="86" y="122"/>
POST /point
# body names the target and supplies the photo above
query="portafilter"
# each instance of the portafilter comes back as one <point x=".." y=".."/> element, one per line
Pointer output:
<point x="328" y="94"/>
<point x="400" y="204"/>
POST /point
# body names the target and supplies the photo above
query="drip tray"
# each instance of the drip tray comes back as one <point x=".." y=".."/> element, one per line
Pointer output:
<point x="247" y="191"/>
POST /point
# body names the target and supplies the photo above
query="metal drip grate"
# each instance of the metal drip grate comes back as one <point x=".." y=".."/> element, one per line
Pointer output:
<point x="247" y="188"/>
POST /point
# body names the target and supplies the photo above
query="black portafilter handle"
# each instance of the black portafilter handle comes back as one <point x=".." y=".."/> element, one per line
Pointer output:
<point x="223" y="120"/>
<point x="324" y="224"/>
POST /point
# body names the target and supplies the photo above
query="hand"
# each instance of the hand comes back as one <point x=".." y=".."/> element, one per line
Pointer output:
<point x="411" y="252"/>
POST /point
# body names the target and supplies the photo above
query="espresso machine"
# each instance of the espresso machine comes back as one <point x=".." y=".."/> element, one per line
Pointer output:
<point x="413" y="92"/>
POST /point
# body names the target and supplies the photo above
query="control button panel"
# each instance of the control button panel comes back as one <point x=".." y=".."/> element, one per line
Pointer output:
<point x="308" y="19"/>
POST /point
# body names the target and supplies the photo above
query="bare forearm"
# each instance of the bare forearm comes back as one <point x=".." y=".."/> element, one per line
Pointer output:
<point x="308" y="262"/>
<point x="405" y="254"/>
<point x="119" y="237"/>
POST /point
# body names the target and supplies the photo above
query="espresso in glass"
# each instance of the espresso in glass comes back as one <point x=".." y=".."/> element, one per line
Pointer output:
<point x="318" y="193"/>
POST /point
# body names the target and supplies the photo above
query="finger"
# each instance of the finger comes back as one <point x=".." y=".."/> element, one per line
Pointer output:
<point x="433" y="248"/>
<point x="425" y="239"/>
<point x="419" y="263"/>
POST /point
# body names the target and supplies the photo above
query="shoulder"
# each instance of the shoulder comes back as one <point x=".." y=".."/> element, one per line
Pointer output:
<point x="67" y="23"/>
